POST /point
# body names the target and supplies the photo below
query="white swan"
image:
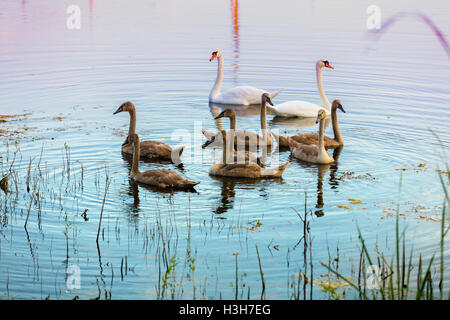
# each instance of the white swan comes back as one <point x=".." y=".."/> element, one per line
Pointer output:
<point x="303" y="108"/>
<point x="244" y="95"/>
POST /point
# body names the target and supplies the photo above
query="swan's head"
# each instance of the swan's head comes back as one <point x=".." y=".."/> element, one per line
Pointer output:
<point x="323" y="63"/>
<point x="266" y="98"/>
<point x="126" y="106"/>
<point x="321" y="115"/>
<point x="216" y="54"/>
<point x="337" y="105"/>
<point x="229" y="113"/>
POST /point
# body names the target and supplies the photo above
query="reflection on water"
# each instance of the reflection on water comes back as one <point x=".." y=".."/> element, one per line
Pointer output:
<point x="334" y="182"/>
<point x="234" y="4"/>
<point x="228" y="196"/>
<point x="91" y="14"/>
<point x="321" y="170"/>
<point x="241" y="110"/>
<point x="134" y="192"/>
<point x="297" y="122"/>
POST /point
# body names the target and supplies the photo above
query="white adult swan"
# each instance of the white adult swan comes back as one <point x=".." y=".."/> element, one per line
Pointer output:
<point x="303" y="108"/>
<point x="244" y="95"/>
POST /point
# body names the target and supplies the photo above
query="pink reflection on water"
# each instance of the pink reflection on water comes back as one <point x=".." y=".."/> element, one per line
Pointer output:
<point x="417" y="15"/>
<point x="91" y="12"/>
<point x="236" y="51"/>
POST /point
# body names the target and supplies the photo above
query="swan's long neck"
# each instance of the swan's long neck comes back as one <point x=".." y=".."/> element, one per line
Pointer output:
<point x="264" y="130"/>
<point x="323" y="98"/>
<point x="136" y="157"/>
<point x="321" y="134"/>
<point x="337" y="133"/>
<point x="132" y="127"/>
<point x="233" y="122"/>
<point x="215" y="91"/>
<point x="224" y="148"/>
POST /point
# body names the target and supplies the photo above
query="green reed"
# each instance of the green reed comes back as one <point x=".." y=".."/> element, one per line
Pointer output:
<point x="398" y="271"/>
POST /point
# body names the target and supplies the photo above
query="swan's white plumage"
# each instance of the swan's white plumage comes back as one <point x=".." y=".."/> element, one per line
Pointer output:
<point x="296" y="109"/>
<point x="244" y="95"/>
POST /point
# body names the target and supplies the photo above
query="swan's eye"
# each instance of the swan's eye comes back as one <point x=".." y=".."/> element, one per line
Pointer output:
<point x="327" y="64"/>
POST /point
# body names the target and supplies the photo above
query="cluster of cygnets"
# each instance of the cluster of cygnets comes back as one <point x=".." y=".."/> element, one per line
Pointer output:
<point x="308" y="147"/>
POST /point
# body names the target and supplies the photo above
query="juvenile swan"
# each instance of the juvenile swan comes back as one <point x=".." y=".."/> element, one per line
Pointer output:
<point x="242" y="170"/>
<point x="312" y="153"/>
<point x="313" y="138"/>
<point x="244" y="95"/>
<point x="244" y="137"/>
<point x="150" y="149"/>
<point x="163" y="179"/>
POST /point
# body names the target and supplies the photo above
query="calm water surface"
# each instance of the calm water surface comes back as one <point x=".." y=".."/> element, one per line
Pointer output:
<point x="65" y="84"/>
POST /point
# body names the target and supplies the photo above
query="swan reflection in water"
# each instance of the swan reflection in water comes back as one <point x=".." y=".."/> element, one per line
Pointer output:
<point x="322" y="169"/>
<point x="296" y="122"/>
<point x="228" y="192"/>
<point x="241" y="110"/>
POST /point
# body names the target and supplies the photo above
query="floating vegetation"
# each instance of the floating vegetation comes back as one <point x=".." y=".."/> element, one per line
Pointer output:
<point x="254" y="225"/>
<point x="429" y="218"/>
<point x="443" y="172"/>
<point x="350" y="175"/>
<point x="354" y="201"/>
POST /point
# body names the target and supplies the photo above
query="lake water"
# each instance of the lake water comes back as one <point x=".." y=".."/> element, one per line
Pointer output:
<point x="63" y="85"/>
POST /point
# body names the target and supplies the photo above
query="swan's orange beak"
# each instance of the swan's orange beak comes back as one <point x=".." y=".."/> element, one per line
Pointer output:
<point x="213" y="56"/>
<point x="328" y="65"/>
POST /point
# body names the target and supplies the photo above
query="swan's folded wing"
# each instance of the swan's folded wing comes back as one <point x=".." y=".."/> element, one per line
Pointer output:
<point x="296" y="109"/>
<point x="306" y="138"/>
<point x="245" y="95"/>
<point x="307" y="151"/>
<point x="238" y="170"/>
<point x="164" y="179"/>
<point x="155" y="149"/>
